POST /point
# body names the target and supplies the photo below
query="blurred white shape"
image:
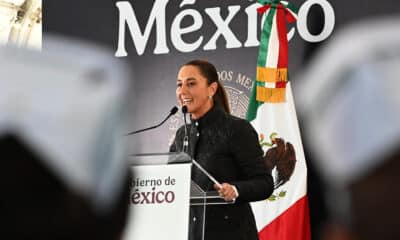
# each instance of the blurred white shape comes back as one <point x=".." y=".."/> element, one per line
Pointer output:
<point x="349" y="99"/>
<point x="66" y="103"/>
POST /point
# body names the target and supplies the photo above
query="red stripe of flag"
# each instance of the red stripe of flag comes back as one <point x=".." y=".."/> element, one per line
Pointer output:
<point x="293" y="224"/>
<point x="282" y="36"/>
<point x="263" y="9"/>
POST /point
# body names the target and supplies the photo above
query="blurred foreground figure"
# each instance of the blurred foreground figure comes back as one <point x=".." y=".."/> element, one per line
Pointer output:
<point x="63" y="172"/>
<point x="350" y="104"/>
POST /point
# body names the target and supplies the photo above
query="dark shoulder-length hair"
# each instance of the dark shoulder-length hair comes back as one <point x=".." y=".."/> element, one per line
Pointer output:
<point x="209" y="71"/>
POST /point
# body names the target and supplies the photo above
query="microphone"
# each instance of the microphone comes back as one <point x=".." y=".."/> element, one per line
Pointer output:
<point x="184" y="109"/>
<point x="186" y="138"/>
<point x="171" y="112"/>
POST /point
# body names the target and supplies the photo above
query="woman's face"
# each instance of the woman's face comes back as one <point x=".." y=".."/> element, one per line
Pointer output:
<point x="193" y="91"/>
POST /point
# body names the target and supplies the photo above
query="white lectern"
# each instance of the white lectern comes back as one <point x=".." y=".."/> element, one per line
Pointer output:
<point x="161" y="195"/>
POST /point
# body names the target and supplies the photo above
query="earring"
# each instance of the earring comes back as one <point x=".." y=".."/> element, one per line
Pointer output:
<point x="210" y="97"/>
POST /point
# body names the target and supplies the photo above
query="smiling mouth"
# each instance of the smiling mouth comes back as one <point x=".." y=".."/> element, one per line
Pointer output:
<point x="186" y="101"/>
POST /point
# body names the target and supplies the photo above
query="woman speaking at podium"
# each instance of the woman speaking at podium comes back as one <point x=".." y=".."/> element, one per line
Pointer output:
<point x="225" y="146"/>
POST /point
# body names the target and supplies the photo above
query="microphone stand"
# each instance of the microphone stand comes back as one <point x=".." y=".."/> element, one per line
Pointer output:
<point x="185" y="147"/>
<point x="172" y="112"/>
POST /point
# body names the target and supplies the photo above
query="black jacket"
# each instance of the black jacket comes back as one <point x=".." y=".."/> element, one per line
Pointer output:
<point x="228" y="148"/>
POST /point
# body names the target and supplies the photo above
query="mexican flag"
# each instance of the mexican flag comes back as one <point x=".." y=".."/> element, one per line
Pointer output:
<point x="285" y="215"/>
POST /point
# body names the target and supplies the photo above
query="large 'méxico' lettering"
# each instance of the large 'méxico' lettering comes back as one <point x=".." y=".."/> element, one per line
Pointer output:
<point x="127" y="18"/>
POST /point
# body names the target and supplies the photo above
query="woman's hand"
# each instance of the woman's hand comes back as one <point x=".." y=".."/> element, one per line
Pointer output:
<point x="227" y="191"/>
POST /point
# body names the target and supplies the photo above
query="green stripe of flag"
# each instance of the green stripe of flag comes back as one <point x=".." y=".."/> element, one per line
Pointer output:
<point x="265" y="36"/>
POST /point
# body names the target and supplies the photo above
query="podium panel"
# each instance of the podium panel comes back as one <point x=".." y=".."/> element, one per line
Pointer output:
<point x="159" y="202"/>
<point x="164" y="203"/>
